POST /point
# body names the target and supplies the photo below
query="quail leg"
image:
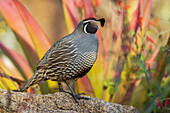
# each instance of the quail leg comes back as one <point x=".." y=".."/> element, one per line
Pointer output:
<point x="76" y="96"/>
<point x="61" y="89"/>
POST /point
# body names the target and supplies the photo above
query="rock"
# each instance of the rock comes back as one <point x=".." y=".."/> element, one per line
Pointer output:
<point x="58" y="102"/>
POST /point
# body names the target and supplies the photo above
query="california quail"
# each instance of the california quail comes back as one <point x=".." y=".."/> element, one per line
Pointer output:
<point x="71" y="57"/>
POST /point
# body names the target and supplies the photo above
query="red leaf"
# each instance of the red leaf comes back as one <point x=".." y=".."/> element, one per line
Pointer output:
<point x="150" y="71"/>
<point x="158" y="103"/>
<point x="88" y="9"/>
<point x="166" y="103"/>
<point x="132" y="49"/>
<point x="152" y="58"/>
<point x="98" y="2"/>
<point x="152" y="23"/>
<point x="118" y="12"/>
<point x="156" y="21"/>
<point x="78" y="3"/>
<point x="120" y="26"/>
<point x="72" y="11"/>
<point x="11" y="15"/>
<point x="38" y="36"/>
<point x="140" y="22"/>
<point x="120" y="3"/>
<point x="126" y="7"/>
<point x="150" y="39"/>
<point x="150" y="45"/>
<point x="135" y="19"/>
<point x="18" y="60"/>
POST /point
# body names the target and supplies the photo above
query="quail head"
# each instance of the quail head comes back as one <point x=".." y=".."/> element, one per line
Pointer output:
<point x="70" y="57"/>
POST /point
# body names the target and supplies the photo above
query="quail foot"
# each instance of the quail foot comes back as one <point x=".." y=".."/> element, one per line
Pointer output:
<point x="71" y="57"/>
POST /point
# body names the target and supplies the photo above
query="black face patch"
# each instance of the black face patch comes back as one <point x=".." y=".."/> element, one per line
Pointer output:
<point x="89" y="28"/>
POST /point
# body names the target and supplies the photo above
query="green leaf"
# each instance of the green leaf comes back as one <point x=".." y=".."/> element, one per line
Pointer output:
<point x="132" y="33"/>
<point x="111" y="90"/>
<point x="148" y="32"/>
<point x="106" y="82"/>
<point x="139" y="72"/>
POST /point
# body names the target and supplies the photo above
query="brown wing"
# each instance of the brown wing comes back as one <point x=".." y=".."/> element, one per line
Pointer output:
<point x="58" y="58"/>
<point x="63" y="62"/>
<point x="61" y="51"/>
<point x="73" y="68"/>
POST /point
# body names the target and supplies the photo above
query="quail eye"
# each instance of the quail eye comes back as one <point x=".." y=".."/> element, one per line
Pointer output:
<point x="88" y="28"/>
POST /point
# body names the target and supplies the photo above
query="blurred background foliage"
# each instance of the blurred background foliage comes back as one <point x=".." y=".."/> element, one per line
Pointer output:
<point x="133" y="64"/>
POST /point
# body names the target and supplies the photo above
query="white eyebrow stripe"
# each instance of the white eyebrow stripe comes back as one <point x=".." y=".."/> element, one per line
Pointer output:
<point x="88" y="21"/>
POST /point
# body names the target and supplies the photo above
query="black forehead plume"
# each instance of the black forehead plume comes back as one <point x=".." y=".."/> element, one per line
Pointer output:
<point x="102" y="20"/>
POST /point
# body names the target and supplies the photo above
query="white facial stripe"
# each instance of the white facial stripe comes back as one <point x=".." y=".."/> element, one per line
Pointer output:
<point x="88" y="21"/>
<point x="85" y="28"/>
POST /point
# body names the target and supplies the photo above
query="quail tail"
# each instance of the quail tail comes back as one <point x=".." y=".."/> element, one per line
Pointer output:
<point x="33" y="80"/>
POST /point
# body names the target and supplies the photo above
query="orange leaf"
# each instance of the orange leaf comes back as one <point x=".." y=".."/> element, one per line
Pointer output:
<point x="152" y="58"/>
<point x="152" y="23"/>
<point x="72" y="11"/>
<point x="19" y="61"/>
<point x="9" y="70"/>
<point x="155" y="22"/>
<point x="140" y="22"/>
<point x="136" y="18"/>
<point x="126" y="7"/>
<point x="38" y="36"/>
<point x="132" y="49"/>
<point x="120" y="3"/>
<point x="146" y="16"/>
<point x="84" y="85"/>
<point x="96" y="2"/>
<point x="12" y="16"/>
<point x="14" y="20"/>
